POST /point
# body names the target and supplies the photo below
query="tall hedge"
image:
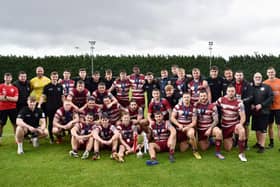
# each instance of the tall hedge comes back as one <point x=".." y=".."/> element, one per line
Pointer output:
<point x="249" y="64"/>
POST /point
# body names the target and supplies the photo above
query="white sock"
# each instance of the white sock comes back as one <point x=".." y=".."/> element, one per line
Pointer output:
<point x="20" y="147"/>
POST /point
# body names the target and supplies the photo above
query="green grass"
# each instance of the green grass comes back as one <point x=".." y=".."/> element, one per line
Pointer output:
<point x="50" y="165"/>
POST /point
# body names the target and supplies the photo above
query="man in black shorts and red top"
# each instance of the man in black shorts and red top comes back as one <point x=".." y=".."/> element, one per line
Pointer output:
<point x="183" y="117"/>
<point x="164" y="139"/>
<point x="233" y="118"/>
<point x="207" y="120"/>
<point x="8" y="102"/>
<point x="30" y="121"/>
<point x="82" y="137"/>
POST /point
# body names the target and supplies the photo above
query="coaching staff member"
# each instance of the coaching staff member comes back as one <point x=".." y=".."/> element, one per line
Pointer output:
<point x="262" y="100"/>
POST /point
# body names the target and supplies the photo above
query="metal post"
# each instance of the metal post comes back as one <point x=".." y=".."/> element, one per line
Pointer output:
<point x="92" y="43"/>
<point x="210" y="45"/>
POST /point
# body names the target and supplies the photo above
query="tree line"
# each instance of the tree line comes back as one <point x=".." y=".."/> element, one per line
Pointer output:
<point x="149" y="63"/>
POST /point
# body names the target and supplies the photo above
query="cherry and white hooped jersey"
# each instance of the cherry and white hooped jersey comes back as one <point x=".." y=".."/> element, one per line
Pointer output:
<point x="134" y="114"/>
<point x="181" y="86"/>
<point x="161" y="131"/>
<point x="79" y="98"/>
<point x="122" y="87"/>
<point x="230" y="111"/>
<point x="137" y="86"/>
<point x="162" y="106"/>
<point x="64" y="116"/>
<point x="86" y="129"/>
<point x="184" y="114"/>
<point x="127" y="132"/>
<point x="96" y="111"/>
<point x="106" y="133"/>
<point x="100" y="96"/>
<point x="205" y="114"/>
<point x="195" y="86"/>
<point x="114" y="112"/>
<point x="68" y="86"/>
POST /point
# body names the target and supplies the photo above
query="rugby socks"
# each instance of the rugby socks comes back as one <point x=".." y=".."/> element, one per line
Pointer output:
<point x="271" y="141"/>
<point x="20" y="148"/>
<point x="235" y="140"/>
<point x="218" y="144"/>
<point x="171" y="151"/>
<point x="246" y="143"/>
<point x="241" y="145"/>
<point x="153" y="158"/>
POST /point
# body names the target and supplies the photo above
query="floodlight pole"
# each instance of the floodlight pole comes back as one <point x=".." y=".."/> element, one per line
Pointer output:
<point x="92" y="43"/>
<point x="77" y="49"/>
<point x="210" y="45"/>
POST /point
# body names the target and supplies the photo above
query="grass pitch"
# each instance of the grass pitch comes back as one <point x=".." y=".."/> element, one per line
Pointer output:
<point x="50" y="165"/>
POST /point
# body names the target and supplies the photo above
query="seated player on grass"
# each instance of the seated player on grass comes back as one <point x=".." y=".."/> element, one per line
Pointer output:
<point x="164" y="139"/>
<point x="128" y="131"/>
<point x="105" y="136"/>
<point x="30" y="121"/>
<point x="82" y="136"/>
<point x="64" y="119"/>
<point x="207" y="120"/>
<point x="183" y="117"/>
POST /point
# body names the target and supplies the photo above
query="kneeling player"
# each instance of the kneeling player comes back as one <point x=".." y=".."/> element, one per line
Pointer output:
<point x="30" y="120"/>
<point x="233" y="118"/>
<point x="105" y="135"/>
<point x="207" y="119"/>
<point x="64" y="119"/>
<point x="184" y="117"/>
<point x="82" y="136"/>
<point x="128" y="131"/>
<point x="164" y="135"/>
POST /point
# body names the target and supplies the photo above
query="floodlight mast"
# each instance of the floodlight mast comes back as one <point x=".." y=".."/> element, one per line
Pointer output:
<point x="210" y="45"/>
<point x="92" y="44"/>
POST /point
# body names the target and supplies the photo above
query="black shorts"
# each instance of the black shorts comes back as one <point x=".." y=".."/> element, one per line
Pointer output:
<point x="12" y="113"/>
<point x="259" y="123"/>
<point x="274" y="116"/>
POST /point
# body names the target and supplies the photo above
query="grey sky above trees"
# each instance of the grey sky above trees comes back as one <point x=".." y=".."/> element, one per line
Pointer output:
<point x="56" y="27"/>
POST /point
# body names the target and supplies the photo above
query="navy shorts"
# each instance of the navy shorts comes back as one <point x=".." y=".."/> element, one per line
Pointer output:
<point x="274" y="116"/>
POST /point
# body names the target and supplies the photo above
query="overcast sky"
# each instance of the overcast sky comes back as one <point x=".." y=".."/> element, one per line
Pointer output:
<point x="56" y="27"/>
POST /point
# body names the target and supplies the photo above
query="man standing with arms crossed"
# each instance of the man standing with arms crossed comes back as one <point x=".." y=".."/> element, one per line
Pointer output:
<point x="8" y="100"/>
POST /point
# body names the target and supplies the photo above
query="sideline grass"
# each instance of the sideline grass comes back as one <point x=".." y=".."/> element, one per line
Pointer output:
<point x="50" y="165"/>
